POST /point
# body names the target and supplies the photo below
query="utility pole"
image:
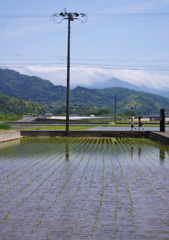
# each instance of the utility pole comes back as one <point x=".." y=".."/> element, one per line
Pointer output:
<point x="70" y="17"/>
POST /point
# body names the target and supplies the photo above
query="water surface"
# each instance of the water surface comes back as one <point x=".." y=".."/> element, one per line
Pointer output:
<point x="79" y="188"/>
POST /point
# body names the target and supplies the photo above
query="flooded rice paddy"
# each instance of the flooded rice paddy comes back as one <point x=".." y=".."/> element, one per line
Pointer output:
<point x="80" y="188"/>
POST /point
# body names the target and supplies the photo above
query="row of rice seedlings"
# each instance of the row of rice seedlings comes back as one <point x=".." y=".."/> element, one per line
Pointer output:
<point x="38" y="160"/>
<point x="102" y="188"/>
<point x="135" y="143"/>
<point x="111" y="146"/>
<point x="16" y="158"/>
<point x="62" y="187"/>
<point x="144" y="175"/>
<point x="76" y="191"/>
<point x="158" y="145"/>
<point x="27" y="184"/>
<point x="36" y="151"/>
<point x="28" y="196"/>
<point x="123" y="143"/>
<point x="76" y="142"/>
<point x="34" y="160"/>
<point x="126" y="185"/>
<point x="8" y="154"/>
<point x="61" y="173"/>
<point x="154" y="156"/>
<point x="45" y="179"/>
<point x="128" y="188"/>
<point x="40" y="221"/>
<point x="153" y="153"/>
<point x="91" y="181"/>
<point x="85" y="169"/>
<point x="151" y="156"/>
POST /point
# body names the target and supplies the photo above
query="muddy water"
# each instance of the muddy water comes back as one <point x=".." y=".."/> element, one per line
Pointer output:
<point x="84" y="189"/>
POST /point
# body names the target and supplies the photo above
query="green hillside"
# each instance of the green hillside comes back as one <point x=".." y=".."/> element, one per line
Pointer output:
<point x="53" y="97"/>
<point x="32" y="88"/>
<point x="11" y="105"/>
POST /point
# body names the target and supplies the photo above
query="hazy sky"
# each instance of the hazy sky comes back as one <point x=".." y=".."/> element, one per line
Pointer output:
<point x="124" y="39"/>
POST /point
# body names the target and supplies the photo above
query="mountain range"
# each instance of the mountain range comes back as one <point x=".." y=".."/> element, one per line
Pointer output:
<point x="114" y="82"/>
<point x="51" y="97"/>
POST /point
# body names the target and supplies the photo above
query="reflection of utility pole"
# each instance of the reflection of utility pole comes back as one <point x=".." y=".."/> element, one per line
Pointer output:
<point x="70" y="17"/>
<point x="161" y="155"/>
<point x="67" y="151"/>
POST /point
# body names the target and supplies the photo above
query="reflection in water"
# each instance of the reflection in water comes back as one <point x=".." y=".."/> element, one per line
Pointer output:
<point x="139" y="151"/>
<point x="67" y="151"/>
<point x="132" y="151"/>
<point x="161" y="155"/>
<point x="84" y="189"/>
<point x="10" y="143"/>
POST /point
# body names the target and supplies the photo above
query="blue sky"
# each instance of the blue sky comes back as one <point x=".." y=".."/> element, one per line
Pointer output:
<point x="124" y="39"/>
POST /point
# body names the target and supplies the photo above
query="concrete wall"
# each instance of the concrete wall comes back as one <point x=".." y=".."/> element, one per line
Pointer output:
<point x="7" y="136"/>
<point x="159" y="137"/>
<point x="85" y="133"/>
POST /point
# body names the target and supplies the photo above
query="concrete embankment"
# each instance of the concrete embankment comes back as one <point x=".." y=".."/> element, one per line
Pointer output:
<point x="160" y="137"/>
<point x="83" y="133"/>
<point x="7" y="136"/>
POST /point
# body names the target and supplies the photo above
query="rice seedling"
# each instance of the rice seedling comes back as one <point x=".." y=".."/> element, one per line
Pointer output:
<point x="71" y="180"/>
<point x="112" y="146"/>
<point x="144" y="175"/>
<point x="35" y="190"/>
<point x="64" y="184"/>
<point x="102" y="188"/>
<point x="89" y="189"/>
<point x="126" y="184"/>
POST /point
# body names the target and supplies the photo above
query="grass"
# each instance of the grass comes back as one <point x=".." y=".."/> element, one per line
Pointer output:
<point x="5" y="126"/>
<point x="58" y="127"/>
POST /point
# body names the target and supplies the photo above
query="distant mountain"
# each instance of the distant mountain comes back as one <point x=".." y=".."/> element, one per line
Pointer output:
<point x="48" y="95"/>
<point x="114" y="82"/>
<point x="127" y="99"/>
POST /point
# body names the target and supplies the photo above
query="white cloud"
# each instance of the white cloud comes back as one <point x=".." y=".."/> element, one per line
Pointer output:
<point x="92" y="76"/>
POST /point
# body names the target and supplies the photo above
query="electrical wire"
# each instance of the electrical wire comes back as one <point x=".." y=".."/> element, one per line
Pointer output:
<point x="62" y="58"/>
<point x="45" y="15"/>
<point x="24" y="60"/>
<point x="128" y="15"/>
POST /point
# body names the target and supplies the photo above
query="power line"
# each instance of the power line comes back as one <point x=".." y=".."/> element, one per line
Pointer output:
<point x="129" y="15"/>
<point x="61" y="58"/>
<point x="47" y="15"/>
